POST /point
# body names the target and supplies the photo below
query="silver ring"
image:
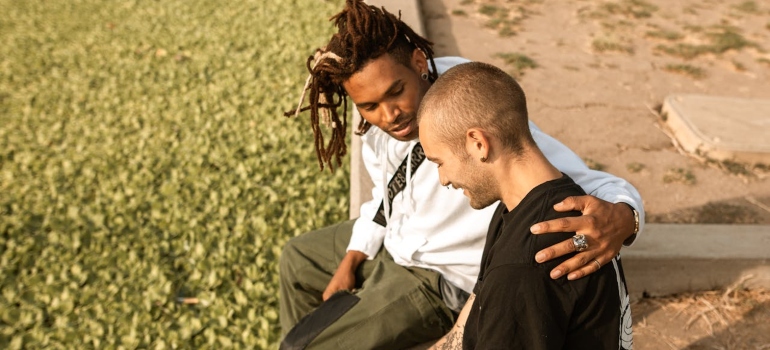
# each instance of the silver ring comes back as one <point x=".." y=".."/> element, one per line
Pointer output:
<point x="598" y="264"/>
<point x="579" y="241"/>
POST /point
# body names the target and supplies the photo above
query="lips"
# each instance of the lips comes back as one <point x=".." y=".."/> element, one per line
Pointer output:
<point x="404" y="129"/>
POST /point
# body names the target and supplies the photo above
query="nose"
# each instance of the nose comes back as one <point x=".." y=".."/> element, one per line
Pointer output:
<point x="392" y="112"/>
<point x="442" y="181"/>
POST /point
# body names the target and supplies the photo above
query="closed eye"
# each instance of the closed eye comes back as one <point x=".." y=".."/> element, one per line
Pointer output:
<point x="397" y="91"/>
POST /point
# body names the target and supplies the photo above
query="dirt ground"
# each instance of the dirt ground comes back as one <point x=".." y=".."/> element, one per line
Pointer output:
<point x="596" y="74"/>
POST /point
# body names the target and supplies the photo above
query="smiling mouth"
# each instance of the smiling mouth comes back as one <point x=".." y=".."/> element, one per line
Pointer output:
<point x="402" y="126"/>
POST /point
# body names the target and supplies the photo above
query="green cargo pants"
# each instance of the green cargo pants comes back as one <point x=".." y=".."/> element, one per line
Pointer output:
<point x="399" y="307"/>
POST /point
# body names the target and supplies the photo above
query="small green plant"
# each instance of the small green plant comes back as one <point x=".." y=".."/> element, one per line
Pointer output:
<point x="735" y="168"/>
<point x="502" y="20"/>
<point x="635" y="167"/>
<point x="491" y="10"/>
<point x="686" y="69"/>
<point x="517" y="62"/>
<point x="679" y="175"/>
<point x="750" y="7"/>
<point x="739" y="66"/>
<point x="466" y="2"/>
<point x="616" y="25"/>
<point x="592" y="164"/>
<point x="763" y="61"/>
<point x="629" y="8"/>
<point x="724" y="38"/>
<point x="720" y="40"/>
<point x="610" y="45"/>
<point x="669" y="35"/>
<point x="692" y="28"/>
<point x="685" y="51"/>
<point x="459" y="12"/>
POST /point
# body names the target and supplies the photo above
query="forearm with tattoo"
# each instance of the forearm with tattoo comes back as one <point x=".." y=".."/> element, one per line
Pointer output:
<point x="454" y="339"/>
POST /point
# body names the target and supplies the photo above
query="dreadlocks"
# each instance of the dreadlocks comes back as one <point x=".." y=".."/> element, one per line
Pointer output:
<point x="364" y="33"/>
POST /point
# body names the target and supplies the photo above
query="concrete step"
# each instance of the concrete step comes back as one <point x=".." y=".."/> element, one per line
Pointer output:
<point x="676" y="258"/>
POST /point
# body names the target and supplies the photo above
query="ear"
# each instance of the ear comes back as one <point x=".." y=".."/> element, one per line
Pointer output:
<point x="419" y="62"/>
<point x="477" y="143"/>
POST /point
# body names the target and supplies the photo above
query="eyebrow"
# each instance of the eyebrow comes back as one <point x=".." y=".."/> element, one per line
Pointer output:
<point x="434" y="160"/>
<point x="388" y="92"/>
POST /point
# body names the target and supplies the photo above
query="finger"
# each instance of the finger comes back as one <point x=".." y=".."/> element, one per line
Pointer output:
<point x="574" y="263"/>
<point x="572" y="203"/>
<point x="568" y="224"/>
<point x="593" y="265"/>
<point x="555" y="251"/>
<point x="329" y="292"/>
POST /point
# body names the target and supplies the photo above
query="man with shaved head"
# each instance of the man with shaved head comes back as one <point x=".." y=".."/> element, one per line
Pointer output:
<point x="474" y="125"/>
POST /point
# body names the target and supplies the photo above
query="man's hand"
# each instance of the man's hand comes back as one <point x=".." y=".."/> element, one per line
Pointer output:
<point x="345" y="276"/>
<point x="605" y="225"/>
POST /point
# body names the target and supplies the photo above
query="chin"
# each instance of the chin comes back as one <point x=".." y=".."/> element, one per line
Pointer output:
<point x="478" y="205"/>
<point x="404" y="138"/>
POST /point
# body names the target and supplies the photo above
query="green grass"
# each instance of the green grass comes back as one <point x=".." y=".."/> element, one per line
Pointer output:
<point x="686" y="69"/>
<point x="664" y="34"/>
<point x="459" y="12"/>
<point x="749" y="7"/>
<point x="501" y="19"/>
<point x="720" y="40"/>
<point x="593" y="164"/>
<point x="611" y="45"/>
<point x="635" y="167"/>
<point x="518" y="63"/>
<point x="679" y="175"/>
<point x="636" y="9"/>
<point x="144" y="157"/>
<point x="492" y="10"/>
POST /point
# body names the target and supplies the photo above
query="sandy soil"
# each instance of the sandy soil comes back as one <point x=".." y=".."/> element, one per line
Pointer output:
<point x="601" y="77"/>
<point x="601" y="72"/>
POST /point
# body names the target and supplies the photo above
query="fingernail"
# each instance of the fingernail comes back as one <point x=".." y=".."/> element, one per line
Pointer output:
<point x="540" y="257"/>
<point x="535" y="229"/>
<point x="572" y="276"/>
<point x="558" y="205"/>
<point x="555" y="274"/>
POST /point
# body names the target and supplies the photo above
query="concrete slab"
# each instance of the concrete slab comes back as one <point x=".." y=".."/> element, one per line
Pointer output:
<point x="676" y="258"/>
<point x="720" y="128"/>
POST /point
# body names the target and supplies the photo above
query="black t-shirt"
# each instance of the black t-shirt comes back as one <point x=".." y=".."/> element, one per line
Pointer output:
<point x="519" y="306"/>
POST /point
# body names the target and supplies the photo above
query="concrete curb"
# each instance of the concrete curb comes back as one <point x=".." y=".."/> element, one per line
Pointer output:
<point x="667" y="258"/>
<point x="677" y="258"/>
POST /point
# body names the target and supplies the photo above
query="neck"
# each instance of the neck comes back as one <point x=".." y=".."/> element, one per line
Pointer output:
<point x="517" y="176"/>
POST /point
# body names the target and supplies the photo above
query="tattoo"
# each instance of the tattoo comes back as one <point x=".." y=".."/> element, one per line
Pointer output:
<point x="454" y="340"/>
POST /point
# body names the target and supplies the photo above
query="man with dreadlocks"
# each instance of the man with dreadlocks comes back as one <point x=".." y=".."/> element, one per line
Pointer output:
<point x="413" y="255"/>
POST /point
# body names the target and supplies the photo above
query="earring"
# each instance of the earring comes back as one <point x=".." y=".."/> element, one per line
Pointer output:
<point x="483" y="159"/>
<point x="424" y="76"/>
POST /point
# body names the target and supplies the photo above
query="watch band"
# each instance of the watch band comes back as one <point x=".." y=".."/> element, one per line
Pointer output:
<point x="632" y="238"/>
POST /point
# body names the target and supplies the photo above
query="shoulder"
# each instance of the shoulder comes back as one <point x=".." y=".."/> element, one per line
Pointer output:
<point x="444" y="63"/>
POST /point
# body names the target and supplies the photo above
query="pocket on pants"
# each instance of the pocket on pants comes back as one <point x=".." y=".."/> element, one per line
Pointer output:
<point x="410" y="319"/>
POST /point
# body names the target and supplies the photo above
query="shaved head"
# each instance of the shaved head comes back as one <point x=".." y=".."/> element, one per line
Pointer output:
<point x="476" y="95"/>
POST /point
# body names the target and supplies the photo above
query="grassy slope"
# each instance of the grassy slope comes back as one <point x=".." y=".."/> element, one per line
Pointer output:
<point x="143" y="157"/>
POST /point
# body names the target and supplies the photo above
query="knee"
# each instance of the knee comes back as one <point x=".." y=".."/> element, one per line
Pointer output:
<point x="289" y="254"/>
